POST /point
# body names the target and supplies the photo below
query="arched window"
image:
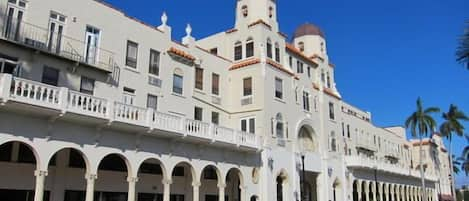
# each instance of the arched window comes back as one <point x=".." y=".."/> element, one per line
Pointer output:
<point x="328" y="80"/>
<point x="277" y="52"/>
<point x="271" y="12"/>
<point x="249" y="47"/>
<point x="238" y="51"/>
<point x="323" y="77"/>
<point x="322" y="47"/>
<point x="301" y="46"/>
<point x="244" y="11"/>
<point x="269" y="48"/>
<point x="178" y="81"/>
<point x="279" y="129"/>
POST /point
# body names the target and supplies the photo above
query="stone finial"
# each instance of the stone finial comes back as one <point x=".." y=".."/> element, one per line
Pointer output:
<point x="164" y="18"/>
<point x="188" y="30"/>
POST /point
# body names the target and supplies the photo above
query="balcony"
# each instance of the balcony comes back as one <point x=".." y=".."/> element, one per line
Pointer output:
<point x="44" y="98"/>
<point x="361" y="162"/>
<point x="57" y="44"/>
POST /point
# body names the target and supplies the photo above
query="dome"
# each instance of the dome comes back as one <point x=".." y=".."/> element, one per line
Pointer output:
<point x="308" y="29"/>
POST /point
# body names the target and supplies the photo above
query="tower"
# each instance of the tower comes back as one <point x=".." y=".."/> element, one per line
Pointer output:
<point x="310" y="40"/>
<point x="250" y="11"/>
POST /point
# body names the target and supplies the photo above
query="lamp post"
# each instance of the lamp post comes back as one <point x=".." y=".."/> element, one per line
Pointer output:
<point x="303" y="173"/>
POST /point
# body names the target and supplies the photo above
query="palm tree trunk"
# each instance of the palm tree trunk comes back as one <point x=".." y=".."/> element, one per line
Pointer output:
<point x="453" y="187"/>
<point x="422" y="173"/>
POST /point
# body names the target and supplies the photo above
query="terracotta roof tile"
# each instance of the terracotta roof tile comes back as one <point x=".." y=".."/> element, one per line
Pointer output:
<point x="245" y="63"/>
<point x="293" y="49"/>
<point x="314" y="56"/>
<point x="279" y="67"/>
<point x="213" y="54"/>
<point x="259" y="22"/>
<point x="181" y="53"/>
<point x="329" y="92"/>
<point x="231" y="30"/>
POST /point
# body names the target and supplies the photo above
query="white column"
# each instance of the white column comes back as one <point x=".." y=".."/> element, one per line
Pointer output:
<point x="167" y="189"/>
<point x="221" y="191"/>
<point x="90" y="179"/>
<point x="367" y="192"/>
<point x="195" y="191"/>
<point x="131" y="195"/>
<point x="39" y="189"/>
<point x="242" y="195"/>
<point x="374" y="191"/>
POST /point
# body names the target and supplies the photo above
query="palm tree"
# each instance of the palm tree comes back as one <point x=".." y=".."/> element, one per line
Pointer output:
<point x="451" y="126"/>
<point x="462" y="53"/>
<point x="421" y="123"/>
<point x="465" y="158"/>
<point x="456" y="164"/>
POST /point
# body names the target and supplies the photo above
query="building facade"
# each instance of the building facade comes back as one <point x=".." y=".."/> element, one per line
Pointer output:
<point x="99" y="106"/>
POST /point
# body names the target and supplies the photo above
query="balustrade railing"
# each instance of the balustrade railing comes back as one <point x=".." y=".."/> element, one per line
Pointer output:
<point x="65" y="100"/>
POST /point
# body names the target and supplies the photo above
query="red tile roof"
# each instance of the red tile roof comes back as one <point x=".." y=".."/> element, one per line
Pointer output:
<point x="279" y="67"/>
<point x="293" y="49"/>
<point x="314" y="56"/>
<point x="213" y="54"/>
<point x="245" y="63"/>
<point x="329" y="92"/>
<point x="181" y="53"/>
<point x="259" y="22"/>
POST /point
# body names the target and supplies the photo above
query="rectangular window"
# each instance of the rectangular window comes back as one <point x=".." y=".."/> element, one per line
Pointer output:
<point x="215" y="84"/>
<point x="309" y="71"/>
<point x="87" y="85"/>
<point x="249" y="49"/>
<point x="198" y="113"/>
<point x="238" y="52"/>
<point x="199" y="78"/>
<point x="299" y="67"/>
<point x="277" y="54"/>
<point x="129" y="96"/>
<point x="278" y="88"/>
<point x="154" y="67"/>
<point x="214" y="51"/>
<point x="215" y="118"/>
<point x="269" y="50"/>
<point x="247" y="86"/>
<point x="306" y="101"/>
<point x="343" y="129"/>
<point x="177" y="84"/>
<point x="131" y="56"/>
<point x="290" y="61"/>
<point x="50" y="76"/>
<point x="348" y="130"/>
<point x="248" y="125"/>
<point x="152" y="102"/>
<point x="331" y="111"/>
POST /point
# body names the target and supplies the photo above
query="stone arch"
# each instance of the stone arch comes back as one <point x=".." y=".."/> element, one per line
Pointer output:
<point x="238" y="172"/>
<point x="217" y="170"/>
<point x="164" y="171"/>
<point x="234" y="184"/>
<point x="307" y="138"/>
<point x="195" y="178"/>
<point x="37" y="158"/>
<point x="121" y="156"/>
<point x="85" y="158"/>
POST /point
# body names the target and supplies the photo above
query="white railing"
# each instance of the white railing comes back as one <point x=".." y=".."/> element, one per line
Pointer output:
<point x="130" y="114"/>
<point x="35" y="93"/>
<point x="86" y="104"/>
<point x="65" y="101"/>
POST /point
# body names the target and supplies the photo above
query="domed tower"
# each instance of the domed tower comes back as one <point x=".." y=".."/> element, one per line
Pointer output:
<point x="310" y="40"/>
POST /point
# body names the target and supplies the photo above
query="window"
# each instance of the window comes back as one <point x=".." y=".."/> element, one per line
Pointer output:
<point x="306" y="101"/>
<point x="323" y="77"/>
<point x="214" y="51"/>
<point x="269" y="48"/>
<point x="215" y="118"/>
<point x="244" y="11"/>
<point x="128" y="96"/>
<point x="279" y="129"/>
<point x="215" y="84"/>
<point x="238" y="51"/>
<point x="154" y="67"/>
<point x="50" y="76"/>
<point x="301" y="46"/>
<point x="271" y="12"/>
<point x="248" y="125"/>
<point x="198" y="113"/>
<point x="299" y="67"/>
<point x="249" y="48"/>
<point x="348" y="130"/>
<point x="152" y="102"/>
<point x="278" y="88"/>
<point x="328" y="80"/>
<point x="309" y="71"/>
<point x="177" y="83"/>
<point x="277" y="52"/>
<point x="343" y="129"/>
<point x="132" y="52"/>
<point x="87" y="85"/>
<point x="333" y="146"/>
<point x="331" y="111"/>
<point x="210" y="173"/>
<point x="290" y="61"/>
<point x="199" y="78"/>
<point x="247" y="86"/>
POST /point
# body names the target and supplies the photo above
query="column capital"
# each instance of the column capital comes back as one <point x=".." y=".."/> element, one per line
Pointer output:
<point x="38" y="173"/>
<point x="196" y="184"/>
<point x="167" y="181"/>
<point x="132" y="179"/>
<point x="89" y="176"/>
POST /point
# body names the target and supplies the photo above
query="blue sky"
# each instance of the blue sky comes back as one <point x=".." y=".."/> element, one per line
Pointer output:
<point x="387" y="53"/>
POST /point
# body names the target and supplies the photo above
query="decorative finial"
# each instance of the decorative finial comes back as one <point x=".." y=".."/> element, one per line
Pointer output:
<point x="188" y="30"/>
<point x="164" y="18"/>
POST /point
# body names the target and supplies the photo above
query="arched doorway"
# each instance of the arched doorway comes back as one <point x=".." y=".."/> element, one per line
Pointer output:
<point x="112" y="180"/>
<point x="233" y="185"/>
<point x="183" y="182"/>
<point x="150" y="180"/>
<point x="66" y="175"/>
<point x="18" y="163"/>
<point x="355" y="191"/>
<point x="209" y="187"/>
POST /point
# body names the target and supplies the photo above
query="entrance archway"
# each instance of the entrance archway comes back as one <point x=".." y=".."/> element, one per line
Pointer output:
<point x="210" y="184"/>
<point x="234" y="182"/>
<point x="183" y="182"/>
<point x="112" y="180"/>
<point x="150" y="180"/>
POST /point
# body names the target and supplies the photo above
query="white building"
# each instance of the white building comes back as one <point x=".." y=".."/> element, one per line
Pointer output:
<point x="98" y="106"/>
